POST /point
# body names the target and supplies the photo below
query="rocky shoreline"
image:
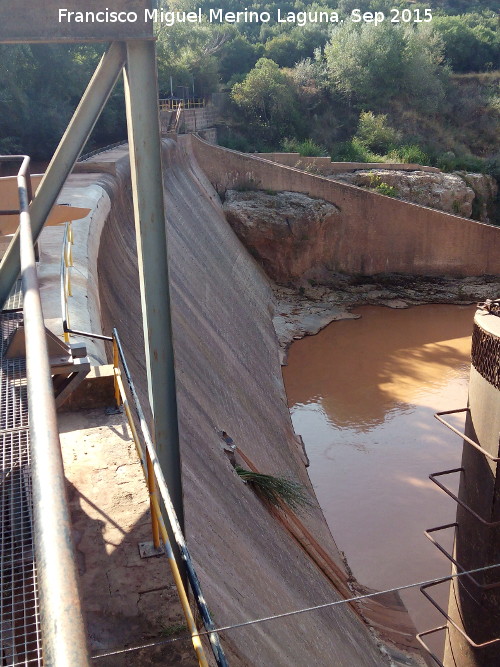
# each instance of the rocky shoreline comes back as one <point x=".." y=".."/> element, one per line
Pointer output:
<point x="305" y="310"/>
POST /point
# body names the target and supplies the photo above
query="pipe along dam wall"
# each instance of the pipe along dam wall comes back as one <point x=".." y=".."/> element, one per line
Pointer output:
<point x="252" y="562"/>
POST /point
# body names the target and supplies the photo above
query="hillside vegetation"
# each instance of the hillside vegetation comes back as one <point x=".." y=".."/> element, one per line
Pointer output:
<point x="417" y="91"/>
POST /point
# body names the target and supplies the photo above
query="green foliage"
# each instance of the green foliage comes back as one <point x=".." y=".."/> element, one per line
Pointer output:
<point x="354" y="151"/>
<point x="283" y="49"/>
<point x="306" y="148"/>
<point x="377" y="184"/>
<point x="276" y="490"/>
<point x="266" y="97"/>
<point x="188" y="52"/>
<point x="237" y="58"/>
<point x="40" y="87"/>
<point x="448" y="161"/>
<point x="408" y="154"/>
<point x="373" y="65"/>
<point x="174" y="629"/>
<point x="471" y="41"/>
<point x="375" y="132"/>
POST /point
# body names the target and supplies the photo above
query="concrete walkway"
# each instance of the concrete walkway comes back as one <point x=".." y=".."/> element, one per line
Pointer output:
<point x="127" y="600"/>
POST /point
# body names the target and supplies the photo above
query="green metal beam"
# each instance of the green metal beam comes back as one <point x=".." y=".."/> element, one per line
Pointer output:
<point x="141" y="98"/>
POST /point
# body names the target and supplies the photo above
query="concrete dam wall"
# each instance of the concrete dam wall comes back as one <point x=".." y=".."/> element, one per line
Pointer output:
<point x="375" y="234"/>
<point x="229" y="378"/>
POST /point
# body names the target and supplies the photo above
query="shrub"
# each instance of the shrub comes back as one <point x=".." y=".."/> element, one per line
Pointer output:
<point x="276" y="490"/>
<point x="409" y="154"/>
<point x="450" y="162"/>
<point x="306" y="148"/>
<point x="375" y="132"/>
<point x="377" y="184"/>
<point x="355" y="151"/>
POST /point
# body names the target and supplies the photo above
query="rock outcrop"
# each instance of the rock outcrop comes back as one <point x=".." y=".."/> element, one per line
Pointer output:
<point x="486" y="190"/>
<point x="464" y="194"/>
<point x="290" y="234"/>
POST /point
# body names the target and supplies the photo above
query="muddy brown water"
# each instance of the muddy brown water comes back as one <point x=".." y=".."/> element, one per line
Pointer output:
<point x="362" y="394"/>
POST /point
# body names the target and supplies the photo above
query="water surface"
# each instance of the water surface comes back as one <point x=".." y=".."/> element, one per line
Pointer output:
<point x="362" y="393"/>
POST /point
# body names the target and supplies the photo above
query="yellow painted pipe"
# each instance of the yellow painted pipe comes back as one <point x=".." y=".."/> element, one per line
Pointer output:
<point x="152" y="494"/>
<point x="135" y="437"/>
<point x="157" y="519"/>
<point x="202" y="660"/>
<point x="115" y="364"/>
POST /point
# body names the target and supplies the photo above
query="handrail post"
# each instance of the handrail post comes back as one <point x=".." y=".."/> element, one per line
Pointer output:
<point x="152" y="496"/>
<point x="115" y="377"/>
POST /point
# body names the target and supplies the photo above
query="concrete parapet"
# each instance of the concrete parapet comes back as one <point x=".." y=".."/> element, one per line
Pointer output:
<point x="376" y="234"/>
<point x="325" y="166"/>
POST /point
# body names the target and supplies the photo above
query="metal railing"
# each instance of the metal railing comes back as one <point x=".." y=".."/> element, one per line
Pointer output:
<point x="153" y="474"/>
<point x="103" y="149"/>
<point x="157" y="488"/>
<point x="65" y="273"/>
<point x="169" y="104"/>
<point x="63" y="631"/>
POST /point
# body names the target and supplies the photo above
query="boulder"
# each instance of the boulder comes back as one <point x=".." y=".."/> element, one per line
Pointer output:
<point x="485" y="189"/>
<point x="446" y="192"/>
<point x="290" y="234"/>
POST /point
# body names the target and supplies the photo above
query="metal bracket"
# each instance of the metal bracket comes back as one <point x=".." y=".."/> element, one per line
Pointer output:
<point x="427" y="533"/>
<point x="490" y="524"/>
<point x="421" y="641"/>
<point x="148" y="550"/>
<point x="68" y="363"/>
<point x="450" y="620"/>
<point x="438" y="416"/>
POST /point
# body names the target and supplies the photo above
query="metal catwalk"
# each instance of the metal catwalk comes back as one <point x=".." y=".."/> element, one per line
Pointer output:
<point x="20" y="642"/>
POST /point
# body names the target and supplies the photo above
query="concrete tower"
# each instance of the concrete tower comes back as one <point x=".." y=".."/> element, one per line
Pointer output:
<point x="474" y="605"/>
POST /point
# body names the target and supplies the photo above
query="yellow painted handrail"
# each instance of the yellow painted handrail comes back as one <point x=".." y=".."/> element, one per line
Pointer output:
<point x="157" y="523"/>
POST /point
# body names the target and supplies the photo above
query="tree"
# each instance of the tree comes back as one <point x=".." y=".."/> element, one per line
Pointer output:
<point x="283" y="50"/>
<point x="266" y="98"/>
<point x="373" y="65"/>
<point x="238" y="57"/>
<point x="471" y="42"/>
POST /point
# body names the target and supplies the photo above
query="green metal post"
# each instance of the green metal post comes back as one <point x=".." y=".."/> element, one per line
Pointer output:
<point x="70" y="147"/>
<point x="141" y="97"/>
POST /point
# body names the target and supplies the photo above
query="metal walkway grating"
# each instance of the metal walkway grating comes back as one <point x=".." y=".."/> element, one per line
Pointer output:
<point x="20" y="642"/>
<point x="15" y="300"/>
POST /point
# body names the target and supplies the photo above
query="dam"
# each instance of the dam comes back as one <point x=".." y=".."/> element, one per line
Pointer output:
<point x="270" y="583"/>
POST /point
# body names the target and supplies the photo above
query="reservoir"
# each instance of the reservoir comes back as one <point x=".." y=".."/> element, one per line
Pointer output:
<point x="362" y="393"/>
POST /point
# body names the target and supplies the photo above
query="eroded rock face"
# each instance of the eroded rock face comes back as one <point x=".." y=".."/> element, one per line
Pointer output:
<point x="486" y="189"/>
<point x="446" y="192"/>
<point x="288" y="233"/>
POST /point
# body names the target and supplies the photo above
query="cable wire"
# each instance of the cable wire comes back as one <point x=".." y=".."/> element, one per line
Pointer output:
<point x="454" y="575"/>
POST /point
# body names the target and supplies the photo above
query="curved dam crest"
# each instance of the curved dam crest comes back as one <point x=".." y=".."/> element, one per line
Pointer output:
<point x="229" y="377"/>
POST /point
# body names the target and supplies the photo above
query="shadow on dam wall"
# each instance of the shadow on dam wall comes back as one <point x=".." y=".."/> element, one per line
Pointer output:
<point x="229" y="377"/>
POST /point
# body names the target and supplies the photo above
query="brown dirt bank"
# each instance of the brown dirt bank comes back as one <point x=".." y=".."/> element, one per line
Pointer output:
<point x="305" y="310"/>
<point x="229" y="378"/>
